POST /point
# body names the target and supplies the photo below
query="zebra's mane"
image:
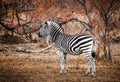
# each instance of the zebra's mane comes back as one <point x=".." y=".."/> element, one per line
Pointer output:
<point x="56" y="25"/>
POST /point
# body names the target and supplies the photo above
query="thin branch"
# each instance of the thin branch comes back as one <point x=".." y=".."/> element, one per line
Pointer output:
<point x="6" y="26"/>
<point x="86" y="10"/>
<point x="81" y="3"/>
<point x="20" y="49"/>
<point x="17" y="17"/>
<point x="52" y="3"/>
<point x="75" y="19"/>
<point x="101" y="10"/>
<point x="26" y="23"/>
<point x="116" y="5"/>
<point x="111" y="4"/>
<point x="87" y="26"/>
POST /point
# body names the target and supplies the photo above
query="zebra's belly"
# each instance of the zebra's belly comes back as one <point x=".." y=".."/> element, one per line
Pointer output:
<point x="74" y="53"/>
<point x="77" y="52"/>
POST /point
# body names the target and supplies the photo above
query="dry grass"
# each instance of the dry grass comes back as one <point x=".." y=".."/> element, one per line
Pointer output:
<point x="44" y="67"/>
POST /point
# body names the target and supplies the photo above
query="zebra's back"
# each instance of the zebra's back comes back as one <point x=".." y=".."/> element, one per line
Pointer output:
<point x="75" y="44"/>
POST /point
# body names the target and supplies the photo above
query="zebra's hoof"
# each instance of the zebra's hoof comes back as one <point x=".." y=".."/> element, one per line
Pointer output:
<point x="86" y="74"/>
<point x="92" y="75"/>
<point x="61" y="73"/>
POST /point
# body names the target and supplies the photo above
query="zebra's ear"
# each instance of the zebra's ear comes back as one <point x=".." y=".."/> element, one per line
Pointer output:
<point x="48" y="23"/>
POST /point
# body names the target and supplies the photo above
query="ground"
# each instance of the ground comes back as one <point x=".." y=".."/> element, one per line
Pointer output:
<point x="45" y="66"/>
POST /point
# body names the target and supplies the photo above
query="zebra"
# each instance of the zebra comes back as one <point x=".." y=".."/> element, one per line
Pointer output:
<point x="69" y="44"/>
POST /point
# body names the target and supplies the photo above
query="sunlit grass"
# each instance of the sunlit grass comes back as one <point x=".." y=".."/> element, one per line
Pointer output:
<point x="45" y="67"/>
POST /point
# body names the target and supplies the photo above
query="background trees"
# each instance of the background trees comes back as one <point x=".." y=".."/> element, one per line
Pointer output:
<point x="102" y="17"/>
<point x="105" y="10"/>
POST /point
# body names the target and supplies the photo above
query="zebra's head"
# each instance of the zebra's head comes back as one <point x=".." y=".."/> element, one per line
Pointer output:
<point x="44" y="30"/>
<point x="48" y="27"/>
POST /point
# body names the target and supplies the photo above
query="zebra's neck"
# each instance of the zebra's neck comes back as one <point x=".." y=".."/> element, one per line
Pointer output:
<point x="54" y="35"/>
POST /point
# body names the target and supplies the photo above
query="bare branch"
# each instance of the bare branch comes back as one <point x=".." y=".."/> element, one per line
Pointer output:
<point x="75" y="19"/>
<point x="81" y="3"/>
<point x="18" y="20"/>
<point x="108" y="10"/>
<point x="86" y="10"/>
<point x="19" y="49"/>
<point x="6" y="26"/>
<point x="115" y="6"/>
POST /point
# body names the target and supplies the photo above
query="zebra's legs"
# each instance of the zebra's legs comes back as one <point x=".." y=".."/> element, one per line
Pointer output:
<point x="91" y="62"/>
<point x="88" y="69"/>
<point x="93" y="67"/>
<point x="63" y="62"/>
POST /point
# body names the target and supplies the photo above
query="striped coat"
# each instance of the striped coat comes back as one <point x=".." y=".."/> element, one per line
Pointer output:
<point x="69" y="44"/>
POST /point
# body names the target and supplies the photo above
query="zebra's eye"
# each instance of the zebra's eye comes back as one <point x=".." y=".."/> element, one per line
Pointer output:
<point x="45" y="22"/>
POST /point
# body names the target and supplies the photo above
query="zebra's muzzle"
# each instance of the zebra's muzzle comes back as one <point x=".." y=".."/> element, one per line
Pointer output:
<point x="40" y="35"/>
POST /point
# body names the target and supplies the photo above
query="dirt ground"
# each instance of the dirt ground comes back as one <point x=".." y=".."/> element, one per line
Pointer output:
<point x="45" y="67"/>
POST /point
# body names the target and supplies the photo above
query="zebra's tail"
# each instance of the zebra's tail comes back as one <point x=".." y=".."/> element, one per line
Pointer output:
<point x="93" y="54"/>
<point x="94" y="49"/>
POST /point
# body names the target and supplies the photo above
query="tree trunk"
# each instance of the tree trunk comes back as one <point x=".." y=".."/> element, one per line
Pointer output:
<point x="109" y="52"/>
<point x="107" y="49"/>
<point x="97" y="53"/>
<point x="107" y="45"/>
<point x="12" y="33"/>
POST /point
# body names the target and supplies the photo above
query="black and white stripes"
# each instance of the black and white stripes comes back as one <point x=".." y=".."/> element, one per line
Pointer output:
<point x="69" y="44"/>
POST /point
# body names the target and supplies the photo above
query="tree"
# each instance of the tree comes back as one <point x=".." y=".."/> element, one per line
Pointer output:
<point x="14" y="15"/>
<point x="105" y="9"/>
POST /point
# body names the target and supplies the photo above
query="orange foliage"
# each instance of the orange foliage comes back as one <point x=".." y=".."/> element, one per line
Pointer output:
<point x="106" y="6"/>
<point x="61" y="10"/>
<point x="48" y="4"/>
<point x="35" y="15"/>
<point x="82" y="12"/>
<point x="41" y="6"/>
<point x="6" y="2"/>
<point x="25" y="1"/>
<point x="10" y="12"/>
<point x="12" y="25"/>
<point x="12" y="1"/>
